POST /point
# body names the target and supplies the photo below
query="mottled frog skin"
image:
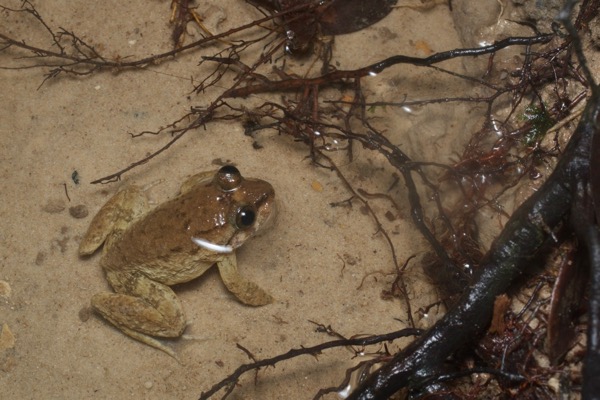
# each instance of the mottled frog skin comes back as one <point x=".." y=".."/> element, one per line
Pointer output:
<point x="147" y="251"/>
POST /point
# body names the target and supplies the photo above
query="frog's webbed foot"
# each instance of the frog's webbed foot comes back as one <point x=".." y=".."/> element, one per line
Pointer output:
<point x="118" y="213"/>
<point x="247" y="292"/>
<point x="142" y="308"/>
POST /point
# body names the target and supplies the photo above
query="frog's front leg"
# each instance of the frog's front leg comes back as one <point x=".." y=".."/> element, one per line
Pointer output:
<point x="247" y="292"/>
<point x="115" y="216"/>
<point x="141" y="308"/>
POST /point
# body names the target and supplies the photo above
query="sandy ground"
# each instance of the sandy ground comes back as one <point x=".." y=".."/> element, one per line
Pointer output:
<point x="312" y="261"/>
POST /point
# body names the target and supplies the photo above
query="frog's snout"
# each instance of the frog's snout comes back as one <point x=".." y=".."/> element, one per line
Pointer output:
<point x="273" y="212"/>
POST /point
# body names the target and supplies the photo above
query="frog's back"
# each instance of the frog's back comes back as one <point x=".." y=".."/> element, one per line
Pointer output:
<point x="160" y="245"/>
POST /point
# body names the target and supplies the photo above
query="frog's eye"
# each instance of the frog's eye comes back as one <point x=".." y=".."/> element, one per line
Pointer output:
<point x="245" y="217"/>
<point x="228" y="178"/>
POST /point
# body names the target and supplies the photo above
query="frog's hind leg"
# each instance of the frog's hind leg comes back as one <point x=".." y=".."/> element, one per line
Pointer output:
<point x="116" y="215"/>
<point x="142" y="308"/>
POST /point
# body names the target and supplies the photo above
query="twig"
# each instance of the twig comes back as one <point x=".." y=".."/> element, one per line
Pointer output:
<point x="230" y="382"/>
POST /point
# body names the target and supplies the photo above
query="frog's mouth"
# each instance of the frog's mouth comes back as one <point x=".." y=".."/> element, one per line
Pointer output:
<point x="217" y="248"/>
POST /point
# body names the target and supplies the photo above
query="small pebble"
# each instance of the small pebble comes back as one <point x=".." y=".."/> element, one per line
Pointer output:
<point x="84" y="314"/>
<point x="5" y="289"/>
<point x="317" y="187"/>
<point x="148" y="384"/>
<point x="40" y="258"/>
<point x="79" y="211"/>
<point x="7" y="339"/>
<point x="54" y="206"/>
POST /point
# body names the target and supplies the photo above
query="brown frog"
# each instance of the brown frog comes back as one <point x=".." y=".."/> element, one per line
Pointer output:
<point x="147" y="251"/>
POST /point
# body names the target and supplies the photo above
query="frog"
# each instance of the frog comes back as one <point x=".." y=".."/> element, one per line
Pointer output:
<point x="147" y="251"/>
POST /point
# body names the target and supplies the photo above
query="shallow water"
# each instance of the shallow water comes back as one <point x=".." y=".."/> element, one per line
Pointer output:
<point x="312" y="260"/>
